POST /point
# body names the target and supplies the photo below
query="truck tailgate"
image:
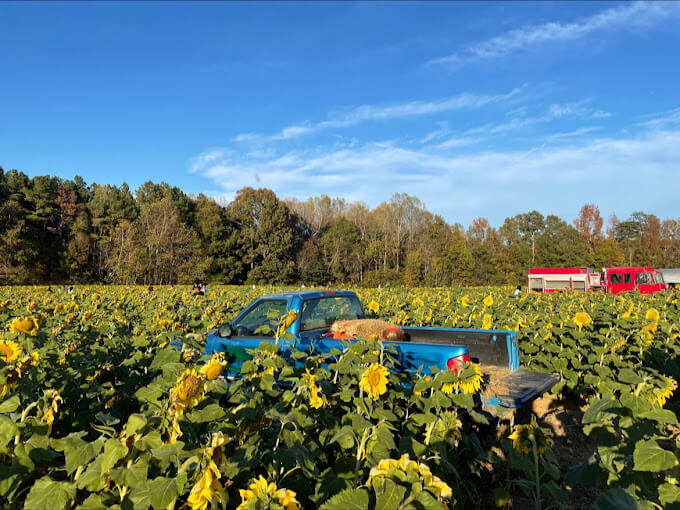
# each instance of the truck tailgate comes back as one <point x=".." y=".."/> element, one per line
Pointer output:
<point x="519" y="387"/>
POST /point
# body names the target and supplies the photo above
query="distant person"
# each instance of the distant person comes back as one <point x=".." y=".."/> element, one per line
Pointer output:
<point x="70" y="289"/>
<point x="150" y="289"/>
<point x="518" y="290"/>
<point x="203" y="289"/>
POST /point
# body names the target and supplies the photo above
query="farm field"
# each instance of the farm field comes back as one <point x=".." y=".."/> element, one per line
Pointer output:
<point x="97" y="410"/>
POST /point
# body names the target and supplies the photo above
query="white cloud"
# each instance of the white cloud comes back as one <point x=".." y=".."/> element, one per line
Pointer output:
<point x="495" y="184"/>
<point x="357" y="115"/>
<point x="633" y="15"/>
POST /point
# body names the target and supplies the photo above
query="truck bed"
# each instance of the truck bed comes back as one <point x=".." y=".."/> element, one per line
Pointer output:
<point x="492" y="348"/>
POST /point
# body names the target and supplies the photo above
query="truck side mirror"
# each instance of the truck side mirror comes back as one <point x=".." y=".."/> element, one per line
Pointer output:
<point x="225" y="331"/>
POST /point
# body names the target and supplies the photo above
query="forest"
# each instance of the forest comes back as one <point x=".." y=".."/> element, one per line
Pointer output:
<point x="57" y="231"/>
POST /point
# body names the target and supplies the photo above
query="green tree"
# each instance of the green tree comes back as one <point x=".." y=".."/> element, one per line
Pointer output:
<point x="267" y="240"/>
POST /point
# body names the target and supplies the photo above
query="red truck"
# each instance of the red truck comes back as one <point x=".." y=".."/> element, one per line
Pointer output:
<point x="611" y="280"/>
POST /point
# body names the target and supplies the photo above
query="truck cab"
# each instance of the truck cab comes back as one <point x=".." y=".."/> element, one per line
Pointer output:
<point x="628" y="279"/>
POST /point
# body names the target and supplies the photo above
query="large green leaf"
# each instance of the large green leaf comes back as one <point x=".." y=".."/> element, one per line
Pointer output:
<point x="615" y="499"/>
<point x="78" y="452"/>
<point x="349" y="499"/>
<point x="597" y="411"/>
<point x="46" y="494"/>
<point x="159" y="492"/>
<point x="669" y="495"/>
<point x="649" y="456"/>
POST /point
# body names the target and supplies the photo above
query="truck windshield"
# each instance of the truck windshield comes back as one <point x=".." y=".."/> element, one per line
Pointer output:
<point x="322" y="312"/>
<point x="645" y="278"/>
<point x="658" y="277"/>
<point x="262" y="319"/>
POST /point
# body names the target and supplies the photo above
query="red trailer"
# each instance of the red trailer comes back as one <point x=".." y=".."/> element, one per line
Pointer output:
<point x="611" y="280"/>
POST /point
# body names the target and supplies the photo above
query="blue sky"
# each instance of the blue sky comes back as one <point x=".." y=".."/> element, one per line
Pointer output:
<point x="478" y="109"/>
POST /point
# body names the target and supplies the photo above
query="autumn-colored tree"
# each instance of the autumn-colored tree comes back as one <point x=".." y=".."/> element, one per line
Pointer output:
<point x="589" y="225"/>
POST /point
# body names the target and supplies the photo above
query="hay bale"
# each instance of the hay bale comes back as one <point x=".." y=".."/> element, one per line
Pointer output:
<point x="362" y="328"/>
<point x="495" y="378"/>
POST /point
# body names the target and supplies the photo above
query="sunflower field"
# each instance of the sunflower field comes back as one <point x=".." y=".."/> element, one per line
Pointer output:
<point x="99" y="410"/>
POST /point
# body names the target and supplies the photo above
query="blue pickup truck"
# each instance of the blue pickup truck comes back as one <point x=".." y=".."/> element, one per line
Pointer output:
<point x="421" y="347"/>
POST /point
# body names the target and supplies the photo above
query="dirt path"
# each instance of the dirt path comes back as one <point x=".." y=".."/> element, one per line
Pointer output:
<point x="571" y="446"/>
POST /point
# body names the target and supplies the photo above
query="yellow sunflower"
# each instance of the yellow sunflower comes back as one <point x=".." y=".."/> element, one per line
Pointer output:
<point x="465" y="301"/>
<point x="9" y="351"/>
<point x="665" y="393"/>
<point x="488" y="301"/>
<point x="487" y="322"/>
<point x="188" y="391"/>
<point x="206" y="491"/>
<point x="259" y="493"/>
<point x="291" y="317"/>
<point x="374" y="306"/>
<point x="525" y="436"/>
<point x="27" y="325"/>
<point x="213" y="368"/>
<point x="652" y="315"/>
<point x="374" y="380"/>
<point x="581" y="319"/>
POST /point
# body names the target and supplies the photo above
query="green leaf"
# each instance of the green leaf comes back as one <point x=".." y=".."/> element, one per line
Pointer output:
<point x="585" y="473"/>
<point x="614" y="499"/>
<point x="164" y="357"/>
<point x="159" y="492"/>
<point x="93" y="502"/>
<point x="345" y="438"/>
<point x="10" y="405"/>
<point x="599" y="410"/>
<point x="649" y="456"/>
<point x="113" y="452"/>
<point x="628" y="376"/>
<point x="660" y="415"/>
<point x="77" y="451"/>
<point x="389" y="495"/>
<point x="349" y="499"/>
<point x="669" y="495"/>
<point x="135" y="423"/>
<point x="427" y="501"/>
<point x="211" y="412"/>
<point x="636" y="403"/>
<point x="46" y="494"/>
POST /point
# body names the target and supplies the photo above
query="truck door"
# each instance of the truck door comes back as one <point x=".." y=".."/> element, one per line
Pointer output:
<point x="628" y="282"/>
<point x="614" y="282"/>
<point x="645" y="283"/>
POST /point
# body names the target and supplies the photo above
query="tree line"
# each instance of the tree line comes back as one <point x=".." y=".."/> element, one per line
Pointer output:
<point x="55" y="230"/>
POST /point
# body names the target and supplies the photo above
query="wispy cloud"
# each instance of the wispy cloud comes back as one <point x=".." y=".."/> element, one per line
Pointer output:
<point x="575" y="133"/>
<point x="357" y="115"/>
<point x="662" y="119"/>
<point x="634" y="14"/>
<point x="461" y="187"/>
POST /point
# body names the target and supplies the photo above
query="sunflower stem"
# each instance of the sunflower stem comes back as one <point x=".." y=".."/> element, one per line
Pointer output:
<point x="538" y="478"/>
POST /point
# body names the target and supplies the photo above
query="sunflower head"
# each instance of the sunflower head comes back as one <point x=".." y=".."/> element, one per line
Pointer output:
<point x="526" y="436"/>
<point x="374" y="380"/>
<point x="290" y="318"/>
<point x="26" y="325"/>
<point x="189" y="389"/>
<point x="581" y="319"/>
<point x="652" y="315"/>
<point x="465" y="301"/>
<point x="9" y="351"/>
<point x="487" y="322"/>
<point x="374" y="306"/>
<point x="488" y="301"/>
<point x="213" y="368"/>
